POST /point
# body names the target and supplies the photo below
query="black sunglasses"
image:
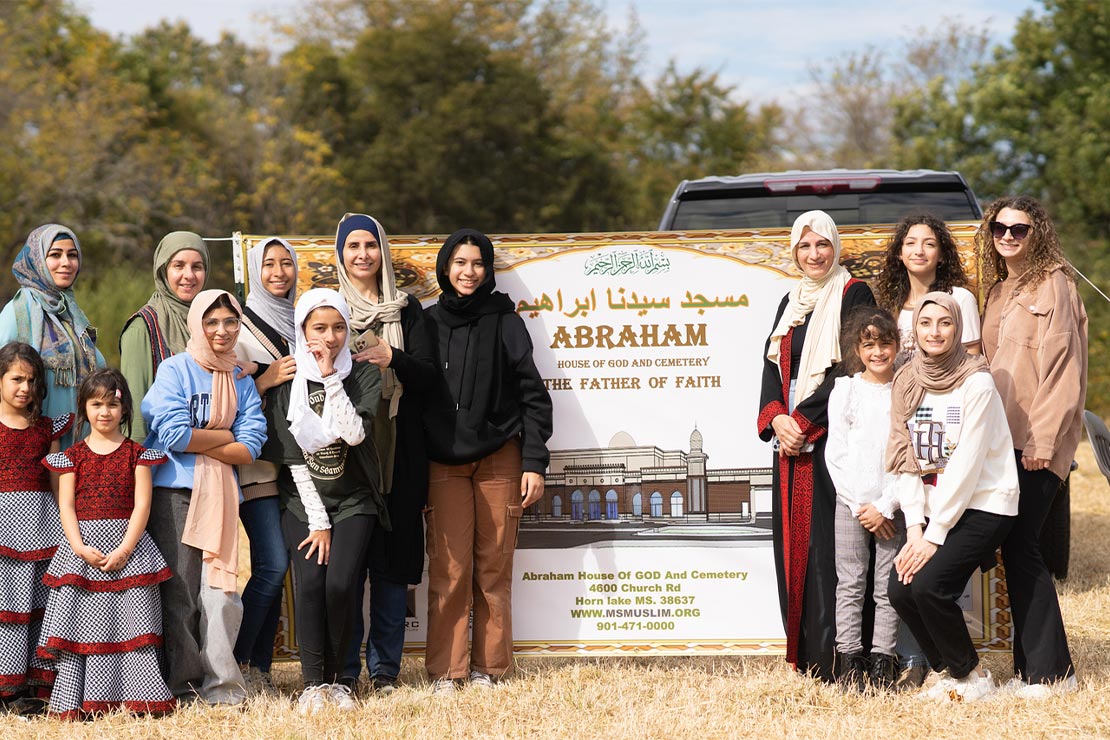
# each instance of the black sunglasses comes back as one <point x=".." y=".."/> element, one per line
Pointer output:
<point x="1018" y="231"/>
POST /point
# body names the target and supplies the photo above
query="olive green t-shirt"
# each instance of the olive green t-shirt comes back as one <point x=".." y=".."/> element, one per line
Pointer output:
<point x="347" y="478"/>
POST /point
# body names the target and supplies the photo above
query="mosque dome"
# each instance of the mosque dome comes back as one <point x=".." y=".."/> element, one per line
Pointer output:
<point x="622" y="439"/>
<point x="695" y="440"/>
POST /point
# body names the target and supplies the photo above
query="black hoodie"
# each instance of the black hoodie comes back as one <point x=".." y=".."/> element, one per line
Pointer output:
<point x="489" y="391"/>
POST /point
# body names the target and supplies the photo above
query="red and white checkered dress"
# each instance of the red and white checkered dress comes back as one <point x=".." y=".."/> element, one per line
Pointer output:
<point x="102" y="631"/>
<point x="30" y="532"/>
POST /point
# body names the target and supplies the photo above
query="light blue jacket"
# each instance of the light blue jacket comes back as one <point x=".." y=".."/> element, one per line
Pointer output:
<point x="179" y="402"/>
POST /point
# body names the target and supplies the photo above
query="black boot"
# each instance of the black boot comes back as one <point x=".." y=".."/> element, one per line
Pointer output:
<point x="884" y="670"/>
<point x="851" y="671"/>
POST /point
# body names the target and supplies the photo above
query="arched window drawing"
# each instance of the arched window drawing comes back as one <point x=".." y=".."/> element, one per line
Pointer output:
<point x="638" y="505"/>
<point x="595" y="504"/>
<point x="577" y="509"/>
<point x="657" y="504"/>
<point x="611" y="505"/>
<point x="556" y="506"/>
<point x="676" y="504"/>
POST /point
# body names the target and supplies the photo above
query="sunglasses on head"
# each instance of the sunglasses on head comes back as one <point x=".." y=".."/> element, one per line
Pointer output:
<point x="1018" y="231"/>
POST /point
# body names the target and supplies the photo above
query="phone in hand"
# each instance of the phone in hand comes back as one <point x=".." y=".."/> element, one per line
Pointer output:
<point x="368" y="338"/>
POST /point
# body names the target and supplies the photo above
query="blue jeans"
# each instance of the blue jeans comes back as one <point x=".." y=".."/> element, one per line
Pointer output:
<point x="262" y="596"/>
<point x="388" y="607"/>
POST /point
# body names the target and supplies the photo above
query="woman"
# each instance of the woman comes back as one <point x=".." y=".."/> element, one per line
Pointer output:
<point x="797" y="378"/>
<point x="161" y="328"/>
<point x="487" y="429"/>
<point x="321" y="431"/>
<point x="1035" y="336"/>
<point x="391" y="333"/>
<point x="206" y="419"/>
<point x="957" y="485"/>
<point x="44" y="313"/>
<point x="266" y="337"/>
<point x="922" y="257"/>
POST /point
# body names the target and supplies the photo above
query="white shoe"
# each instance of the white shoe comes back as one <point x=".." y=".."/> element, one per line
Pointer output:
<point x="313" y="699"/>
<point x="479" y="680"/>
<point x="1047" y="690"/>
<point x="443" y="687"/>
<point x="973" y="687"/>
<point x="938" y="685"/>
<point x="340" y="695"/>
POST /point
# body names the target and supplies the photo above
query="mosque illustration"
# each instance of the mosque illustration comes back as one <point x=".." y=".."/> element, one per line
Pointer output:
<point x="630" y="483"/>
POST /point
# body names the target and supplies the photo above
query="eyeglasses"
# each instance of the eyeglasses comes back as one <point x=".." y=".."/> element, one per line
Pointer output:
<point x="1018" y="231"/>
<point x="226" y="324"/>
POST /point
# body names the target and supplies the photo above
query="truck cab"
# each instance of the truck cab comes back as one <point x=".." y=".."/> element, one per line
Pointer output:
<point x="852" y="197"/>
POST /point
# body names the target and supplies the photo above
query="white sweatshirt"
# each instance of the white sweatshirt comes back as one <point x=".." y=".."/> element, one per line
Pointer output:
<point x="855" y="454"/>
<point x="961" y="436"/>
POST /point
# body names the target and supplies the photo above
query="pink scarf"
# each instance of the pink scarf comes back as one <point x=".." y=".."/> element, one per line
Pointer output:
<point x="212" y="523"/>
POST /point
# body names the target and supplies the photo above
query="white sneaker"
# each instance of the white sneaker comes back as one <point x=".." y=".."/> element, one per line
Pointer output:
<point x="313" y="699"/>
<point x="443" y="687"/>
<point x="479" y="680"/>
<point x="938" y="685"/>
<point x="973" y="687"/>
<point x="1047" y="690"/>
<point x="340" y="695"/>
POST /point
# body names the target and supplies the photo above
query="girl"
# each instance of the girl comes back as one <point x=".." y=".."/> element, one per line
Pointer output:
<point x="161" y="327"/>
<point x="265" y="339"/>
<point x="799" y="359"/>
<point x="859" y="424"/>
<point x="1035" y="335"/>
<point x="487" y="439"/>
<point x="45" y="314"/>
<point x="402" y="350"/>
<point x="29" y="528"/>
<point x="103" y="623"/>
<point x="957" y="483"/>
<point x="321" y="430"/>
<point x="206" y="419"/>
<point x="922" y="256"/>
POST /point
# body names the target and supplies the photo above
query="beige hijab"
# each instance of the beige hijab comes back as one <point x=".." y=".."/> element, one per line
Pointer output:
<point x="212" y="523"/>
<point x="924" y="373"/>
<point x="823" y="299"/>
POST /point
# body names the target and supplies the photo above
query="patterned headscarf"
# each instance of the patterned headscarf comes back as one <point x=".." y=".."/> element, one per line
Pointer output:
<point x="49" y="318"/>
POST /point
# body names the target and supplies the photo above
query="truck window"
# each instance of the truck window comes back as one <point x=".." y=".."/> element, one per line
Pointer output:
<point x="752" y="209"/>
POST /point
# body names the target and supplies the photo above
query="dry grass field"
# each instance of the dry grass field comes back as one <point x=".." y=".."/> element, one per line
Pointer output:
<point x="701" y="698"/>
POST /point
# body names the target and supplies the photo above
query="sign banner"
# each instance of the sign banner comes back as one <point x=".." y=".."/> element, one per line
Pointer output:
<point x="654" y="534"/>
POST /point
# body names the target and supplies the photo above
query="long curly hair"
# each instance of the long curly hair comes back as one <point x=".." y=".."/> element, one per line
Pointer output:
<point x="1042" y="245"/>
<point x="14" y="352"/>
<point x="892" y="287"/>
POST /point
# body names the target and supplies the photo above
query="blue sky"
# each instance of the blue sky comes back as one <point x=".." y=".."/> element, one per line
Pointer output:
<point x="763" y="48"/>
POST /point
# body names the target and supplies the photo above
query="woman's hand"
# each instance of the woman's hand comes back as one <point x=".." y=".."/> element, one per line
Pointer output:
<point x="279" y="371"/>
<point x="115" y="560"/>
<point x="790" y="435"/>
<point x="1034" y="463"/>
<point x="531" y="488"/>
<point x="247" y="368"/>
<point x="322" y="355"/>
<point x="380" y="354"/>
<point x="319" y="541"/>
<point x="913" y="557"/>
<point x="90" y="555"/>
<point x="875" y="523"/>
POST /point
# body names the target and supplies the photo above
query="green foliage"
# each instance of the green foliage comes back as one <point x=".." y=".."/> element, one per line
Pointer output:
<point x="109" y="302"/>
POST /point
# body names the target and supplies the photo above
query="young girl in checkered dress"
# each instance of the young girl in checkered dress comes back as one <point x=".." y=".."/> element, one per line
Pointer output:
<point x="29" y="528"/>
<point x="103" y="623"/>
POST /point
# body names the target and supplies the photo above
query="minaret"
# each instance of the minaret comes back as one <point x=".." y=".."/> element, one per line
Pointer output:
<point x="697" y="496"/>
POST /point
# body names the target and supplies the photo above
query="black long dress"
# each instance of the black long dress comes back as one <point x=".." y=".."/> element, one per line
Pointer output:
<point x="803" y="502"/>
<point x="397" y="555"/>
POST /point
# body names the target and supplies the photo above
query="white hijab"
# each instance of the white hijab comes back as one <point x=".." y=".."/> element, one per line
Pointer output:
<point x="310" y="431"/>
<point x="821" y="297"/>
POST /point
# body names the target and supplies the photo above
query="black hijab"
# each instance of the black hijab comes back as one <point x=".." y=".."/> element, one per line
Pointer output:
<point x="481" y="311"/>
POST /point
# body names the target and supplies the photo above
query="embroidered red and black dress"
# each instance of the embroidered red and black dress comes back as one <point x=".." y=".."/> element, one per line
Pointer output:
<point x="102" y="631"/>
<point x="30" y="532"/>
<point x="803" y="502"/>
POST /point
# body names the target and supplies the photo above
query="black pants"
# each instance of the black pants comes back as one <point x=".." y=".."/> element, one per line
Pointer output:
<point x="1040" y="645"/>
<point x="928" y="605"/>
<point x="324" y="610"/>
